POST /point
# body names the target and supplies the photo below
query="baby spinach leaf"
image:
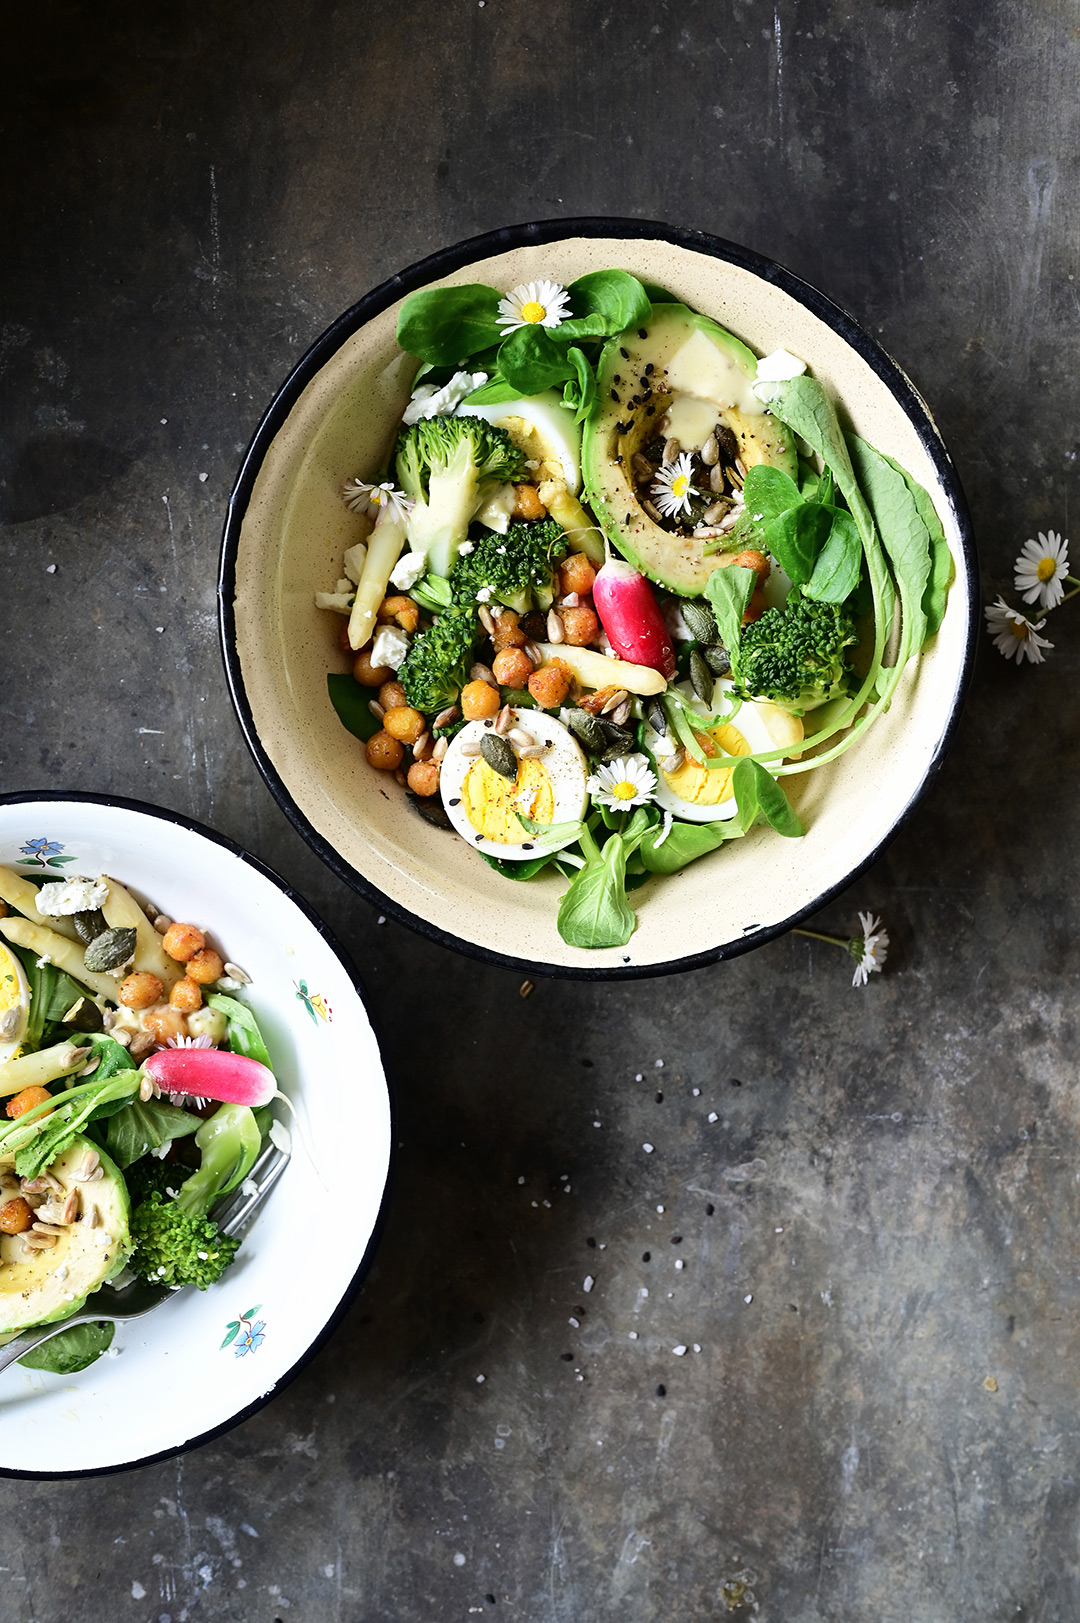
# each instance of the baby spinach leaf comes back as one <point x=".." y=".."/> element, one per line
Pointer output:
<point x="444" y="325"/>
<point x="594" y="911"/>
<point x="350" y="700"/>
<point x="579" y="392"/>
<point x="942" y="568"/>
<point x="904" y="536"/>
<point x="69" y="1351"/>
<point x="836" y="573"/>
<point x="729" y="590"/>
<point x="684" y="844"/>
<point x="52" y="994"/>
<point x="112" y="1056"/>
<point x="244" y="1034"/>
<point x="796" y="537"/>
<point x="531" y="360"/>
<point x="493" y="393"/>
<point x="769" y="492"/>
<point x="139" y="1128"/>
<point x="519" y="870"/>
<point x="804" y="406"/>
<point x="760" y="799"/>
<point x="604" y="303"/>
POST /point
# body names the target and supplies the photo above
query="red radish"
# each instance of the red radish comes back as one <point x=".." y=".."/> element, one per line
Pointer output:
<point x="630" y="615"/>
<point x="212" y="1073"/>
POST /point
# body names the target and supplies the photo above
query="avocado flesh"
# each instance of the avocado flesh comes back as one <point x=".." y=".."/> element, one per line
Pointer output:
<point x="705" y="374"/>
<point x="30" y="1291"/>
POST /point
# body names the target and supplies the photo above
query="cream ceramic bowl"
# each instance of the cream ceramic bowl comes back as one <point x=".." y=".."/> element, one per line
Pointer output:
<point x="207" y="1359"/>
<point x="287" y="529"/>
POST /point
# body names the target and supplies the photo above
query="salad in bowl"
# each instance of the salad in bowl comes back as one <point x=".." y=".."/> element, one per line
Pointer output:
<point x="618" y="582"/>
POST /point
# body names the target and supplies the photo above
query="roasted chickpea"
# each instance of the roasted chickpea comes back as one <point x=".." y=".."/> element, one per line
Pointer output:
<point x="512" y="668"/>
<point x="550" y="684"/>
<point x="367" y="674"/>
<point x="183" y="941"/>
<point x="400" y="611"/>
<point x="163" y="1022"/>
<point x="392" y="695"/>
<point x="26" y="1100"/>
<point x="140" y="989"/>
<point x="206" y="966"/>
<point x="507" y="633"/>
<point x="16" y="1216"/>
<point x="527" y="503"/>
<point x="576" y="574"/>
<point x="404" y="723"/>
<point x="343" y="639"/>
<point x="755" y="608"/>
<point x="186" y="995"/>
<point x="479" y="700"/>
<point x="383" y="752"/>
<point x="580" y="626"/>
<point x="757" y="561"/>
<point x="424" y="777"/>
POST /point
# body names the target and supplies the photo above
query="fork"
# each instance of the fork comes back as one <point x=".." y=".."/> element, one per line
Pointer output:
<point x="131" y="1301"/>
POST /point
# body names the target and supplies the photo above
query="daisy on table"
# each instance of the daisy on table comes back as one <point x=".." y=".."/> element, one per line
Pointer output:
<point x="1040" y="575"/>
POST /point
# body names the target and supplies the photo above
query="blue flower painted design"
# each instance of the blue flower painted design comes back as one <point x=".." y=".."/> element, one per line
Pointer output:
<point x="42" y="853"/>
<point x="247" y="1332"/>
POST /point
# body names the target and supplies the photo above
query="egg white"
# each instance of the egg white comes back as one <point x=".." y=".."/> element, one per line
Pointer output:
<point x="747" y="720"/>
<point x="14" y="994"/>
<point x="564" y="763"/>
<point x="556" y="438"/>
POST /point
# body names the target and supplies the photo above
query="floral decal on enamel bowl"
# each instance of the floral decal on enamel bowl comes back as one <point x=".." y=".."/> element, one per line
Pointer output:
<point x="247" y="1332"/>
<point x="42" y="853"/>
<point x="314" y="1002"/>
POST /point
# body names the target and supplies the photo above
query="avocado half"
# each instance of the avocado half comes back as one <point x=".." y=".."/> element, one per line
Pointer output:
<point x="688" y="361"/>
<point x="40" y="1287"/>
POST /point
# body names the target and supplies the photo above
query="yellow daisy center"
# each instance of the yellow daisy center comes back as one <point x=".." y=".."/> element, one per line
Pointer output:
<point x="533" y="311"/>
<point x="624" y="790"/>
<point x="1047" y="569"/>
<point x="680" y="484"/>
<point x="1020" y="629"/>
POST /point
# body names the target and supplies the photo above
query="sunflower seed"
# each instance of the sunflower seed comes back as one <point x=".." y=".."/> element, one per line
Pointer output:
<point x="534" y="653"/>
<point x="47" y="1228"/>
<point x="518" y="735"/>
<point x="653" y="512"/>
<point x="122" y="1037"/>
<point x="504" y="720"/>
<point x="487" y="619"/>
<point x="499" y="755"/>
<point x="483" y="673"/>
<point x="86" y="1169"/>
<point x="710" y="452"/>
<point x="90" y="1217"/>
<point x="470" y="750"/>
<point x="622" y="714"/>
<point x="617" y="698"/>
<point x="555" y="627"/>
<point x="441" y="747"/>
<point x="445" y="717"/>
<point x="376" y="709"/>
<point x="672" y="449"/>
<point x="642" y="467"/>
<point x="714" y="513"/>
<point x="716" y="480"/>
<point x="422" y="748"/>
<point x="141" y="1044"/>
<point x="39" y="1242"/>
<point x="9" y="1022"/>
<point x="71" y="1207"/>
<point x="235" y="973"/>
<point x="162" y="924"/>
<point x="146" y="1089"/>
<point x="531" y="752"/>
<point x="672" y="763"/>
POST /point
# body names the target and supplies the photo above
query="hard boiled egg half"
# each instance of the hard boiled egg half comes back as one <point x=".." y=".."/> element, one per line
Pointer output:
<point x="14" y="1004"/>
<point x="699" y="794"/>
<point x="542" y="427"/>
<point x="483" y="804"/>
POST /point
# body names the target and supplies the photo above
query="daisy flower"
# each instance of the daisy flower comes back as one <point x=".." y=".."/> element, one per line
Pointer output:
<point x="671" y="489"/>
<point x="627" y="781"/>
<point x="534" y="304"/>
<point x="869" y="948"/>
<point x="1014" y="634"/>
<point x="1041" y="568"/>
<point x="364" y="498"/>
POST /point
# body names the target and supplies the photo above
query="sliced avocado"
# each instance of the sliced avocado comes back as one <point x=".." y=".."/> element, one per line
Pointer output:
<point x="39" y="1287"/>
<point x="702" y="375"/>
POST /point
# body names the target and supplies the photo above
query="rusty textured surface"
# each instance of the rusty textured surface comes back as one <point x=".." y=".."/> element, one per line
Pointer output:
<point x="190" y="196"/>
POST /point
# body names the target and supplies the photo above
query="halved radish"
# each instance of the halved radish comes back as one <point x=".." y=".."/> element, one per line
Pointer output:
<point x="212" y="1073"/>
<point x="630" y="615"/>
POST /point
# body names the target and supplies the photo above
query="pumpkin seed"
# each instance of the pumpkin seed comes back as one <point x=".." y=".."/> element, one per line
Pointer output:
<point x="716" y="658"/>
<point x="430" y="808"/>
<point x="587" y="730"/>
<point x="700" y="620"/>
<point x="655" y="716"/>
<point x="499" y="755"/>
<point x="727" y="442"/>
<point x="88" y="926"/>
<point x="113" y="949"/>
<point x="701" y="677"/>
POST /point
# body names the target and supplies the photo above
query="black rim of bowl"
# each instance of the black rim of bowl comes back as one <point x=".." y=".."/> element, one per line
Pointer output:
<point x="444" y="263"/>
<point x="163" y="814"/>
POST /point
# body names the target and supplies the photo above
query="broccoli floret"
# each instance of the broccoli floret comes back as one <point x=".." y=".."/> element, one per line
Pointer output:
<point x="176" y="1242"/>
<point x="444" y="464"/>
<point x="436" y="667"/>
<point x="511" y="568"/>
<point x="795" y="655"/>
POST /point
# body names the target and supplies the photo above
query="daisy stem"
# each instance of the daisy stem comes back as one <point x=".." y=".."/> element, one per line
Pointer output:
<point x="818" y="935"/>
<point x="1075" y="584"/>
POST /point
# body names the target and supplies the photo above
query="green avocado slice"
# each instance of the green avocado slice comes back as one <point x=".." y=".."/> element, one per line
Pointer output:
<point x="39" y="1287"/>
<point x="703" y="375"/>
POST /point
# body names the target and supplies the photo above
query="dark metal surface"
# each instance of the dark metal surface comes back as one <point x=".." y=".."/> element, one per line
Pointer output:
<point x="886" y="1429"/>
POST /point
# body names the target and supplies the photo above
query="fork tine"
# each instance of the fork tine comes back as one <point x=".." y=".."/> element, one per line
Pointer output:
<point x="265" y="1174"/>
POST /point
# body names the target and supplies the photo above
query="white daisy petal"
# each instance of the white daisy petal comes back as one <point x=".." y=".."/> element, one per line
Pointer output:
<point x="672" y="488"/>
<point x="533" y="304"/>
<point x="627" y="781"/>
<point x="364" y="498"/>
<point x="871" y="949"/>
<point x="1014" y="634"/>
<point x="1041" y="569"/>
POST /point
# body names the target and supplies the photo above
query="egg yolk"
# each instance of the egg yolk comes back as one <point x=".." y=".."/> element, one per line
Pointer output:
<point x="696" y="783"/>
<point x="492" y="802"/>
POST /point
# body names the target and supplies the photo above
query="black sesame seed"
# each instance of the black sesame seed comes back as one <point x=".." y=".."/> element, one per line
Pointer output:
<point x="527" y="847"/>
<point x="456" y="801"/>
<point x="591" y="1242"/>
<point x="620" y="428"/>
<point x="661" y="1391"/>
<point x="615" y="396"/>
<point x="641" y="332"/>
<point x="659" y="1098"/>
<point x="646" y="1256"/>
<point x="710" y="1208"/>
<point x="649" y="410"/>
<point x="625" y="353"/>
<point x="676" y="1239"/>
<point x="616" y="378"/>
<point x="649" y="369"/>
<point x="479" y="837"/>
<point x="567" y="1358"/>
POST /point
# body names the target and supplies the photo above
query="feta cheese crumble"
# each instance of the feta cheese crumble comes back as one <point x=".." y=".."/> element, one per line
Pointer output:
<point x="74" y="895"/>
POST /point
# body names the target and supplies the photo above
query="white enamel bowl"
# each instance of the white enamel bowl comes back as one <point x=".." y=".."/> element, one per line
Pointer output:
<point x="284" y="538"/>
<point x="173" y="1384"/>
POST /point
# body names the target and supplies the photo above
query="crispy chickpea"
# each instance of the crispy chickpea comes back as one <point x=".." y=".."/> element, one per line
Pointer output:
<point x="404" y="723"/>
<point x="384" y="753"/>
<point x="479" y="700"/>
<point x="424" y="777"/>
<point x="183" y="941"/>
<point x="550" y="684"/>
<point x="4" y="910"/>
<point x="512" y="668"/>
<point x="186" y="995"/>
<point x="163" y="1022"/>
<point x="757" y="561"/>
<point x="755" y="608"/>
<point x="595" y="702"/>
<point x="16" y="1216"/>
<point x="580" y="626"/>
<point x="206" y="966"/>
<point x="392" y="695"/>
<point x="140" y="989"/>
<point x="343" y="639"/>
<point x="507" y="633"/>
<point x="26" y="1100"/>
<point x="399" y="610"/>
<point x="576" y="574"/>
<point x="527" y="503"/>
<point x="367" y="674"/>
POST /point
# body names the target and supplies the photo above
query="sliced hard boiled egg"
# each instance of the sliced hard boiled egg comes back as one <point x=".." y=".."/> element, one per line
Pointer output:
<point x="14" y="1004"/>
<point x="542" y="427"/>
<point x="483" y="804"/>
<point x="700" y="794"/>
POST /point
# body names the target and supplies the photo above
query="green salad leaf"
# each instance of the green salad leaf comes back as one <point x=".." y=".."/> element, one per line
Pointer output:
<point x="445" y="325"/>
<point x="244" y="1034"/>
<point x="141" y="1127"/>
<point x="69" y="1351"/>
<point x="729" y="590"/>
<point x="352" y="703"/>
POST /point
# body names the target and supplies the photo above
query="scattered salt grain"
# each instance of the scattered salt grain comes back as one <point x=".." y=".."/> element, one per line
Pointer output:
<point x="633" y="1335"/>
<point x="697" y="1346"/>
<point x="480" y="1379"/>
<point x="50" y="569"/>
<point x="576" y="1323"/>
<point x="778" y="1231"/>
<point x="660" y="1209"/>
<point x="658" y="1065"/>
<point x="648" y="1148"/>
<point x="596" y="1124"/>
<point x="644" y="1291"/>
<point x="713" y="1116"/>
<point x="459" y="1559"/>
<point x="137" y="1590"/>
<point x="521" y="1180"/>
<point x="587" y="1283"/>
<point x="680" y="1264"/>
<point x="638" y="1077"/>
<point x="696" y="1092"/>
<point x="249" y="1187"/>
<point x="203" y="478"/>
<point x="679" y="1350"/>
<point x="748" y="1299"/>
